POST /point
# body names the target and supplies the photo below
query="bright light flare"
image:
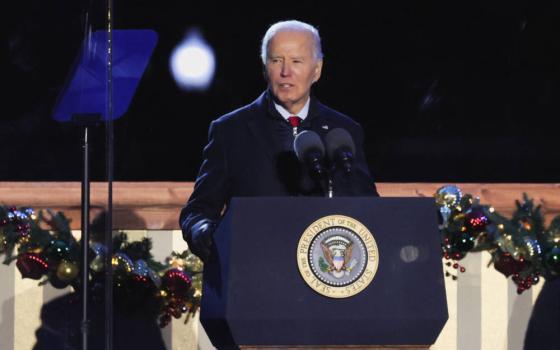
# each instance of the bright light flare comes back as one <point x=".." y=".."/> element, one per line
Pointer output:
<point x="193" y="63"/>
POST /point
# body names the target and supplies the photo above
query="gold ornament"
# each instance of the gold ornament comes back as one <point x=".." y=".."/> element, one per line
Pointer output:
<point x="36" y="250"/>
<point x="176" y="262"/>
<point x="97" y="264"/>
<point x="193" y="263"/>
<point x="23" y="240"/>
<point x="506" y="244"/>
<point x="518" y="253"/>
<point x="459" y="217"/>
<point x="66" y="271"/>
<point x="196" y="283"/>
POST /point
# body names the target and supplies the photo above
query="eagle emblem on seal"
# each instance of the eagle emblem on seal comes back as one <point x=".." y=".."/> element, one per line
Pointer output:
<point x="337" y="256"/>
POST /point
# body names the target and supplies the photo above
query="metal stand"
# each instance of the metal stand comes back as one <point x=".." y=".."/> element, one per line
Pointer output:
<point x="85" y="240"/>
<point x="90" y="90"/>
<point x="86" y="121"/>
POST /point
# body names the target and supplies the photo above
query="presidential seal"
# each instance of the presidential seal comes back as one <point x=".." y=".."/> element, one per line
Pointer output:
<point x="337" y="256"/>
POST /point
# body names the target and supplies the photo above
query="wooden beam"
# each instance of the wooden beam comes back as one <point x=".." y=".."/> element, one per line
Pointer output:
<point x="156" y="205"/>
<point x="501" y="196"/>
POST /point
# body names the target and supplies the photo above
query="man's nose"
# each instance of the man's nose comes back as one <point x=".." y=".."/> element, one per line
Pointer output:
<point x="286" y="69"/>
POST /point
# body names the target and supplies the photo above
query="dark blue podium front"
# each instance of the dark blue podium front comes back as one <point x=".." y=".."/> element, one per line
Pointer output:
<point x="253" y="292"/>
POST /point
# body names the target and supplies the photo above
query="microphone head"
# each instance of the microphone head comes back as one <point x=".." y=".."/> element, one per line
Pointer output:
<point x="308" y="141"/>
<point x="338" y="139"/>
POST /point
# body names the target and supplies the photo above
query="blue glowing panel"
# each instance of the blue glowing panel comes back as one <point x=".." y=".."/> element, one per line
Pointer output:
<point x="86" y="90"/>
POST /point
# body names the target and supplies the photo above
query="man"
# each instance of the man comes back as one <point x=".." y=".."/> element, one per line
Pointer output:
<point x="250" y="150"/>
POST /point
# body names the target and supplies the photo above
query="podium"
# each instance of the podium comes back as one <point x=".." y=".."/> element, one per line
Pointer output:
<point x="255" y="296"/>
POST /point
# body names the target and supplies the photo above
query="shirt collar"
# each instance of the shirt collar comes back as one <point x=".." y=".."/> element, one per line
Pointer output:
<point x="285" y="114"/>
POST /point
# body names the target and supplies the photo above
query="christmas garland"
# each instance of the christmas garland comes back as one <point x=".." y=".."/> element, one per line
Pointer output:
<point x="47" y="251"/>
<point x="521" y="247"/>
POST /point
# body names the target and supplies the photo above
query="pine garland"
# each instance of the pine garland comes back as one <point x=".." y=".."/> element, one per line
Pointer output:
<point x="45" y="249"/>
<point x="521" y="247"/>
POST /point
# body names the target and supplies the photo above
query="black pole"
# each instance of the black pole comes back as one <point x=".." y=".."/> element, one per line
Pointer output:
<point x="85" y="241"/>
<point x="109" y="143"/>
<point x="109" y="239"/>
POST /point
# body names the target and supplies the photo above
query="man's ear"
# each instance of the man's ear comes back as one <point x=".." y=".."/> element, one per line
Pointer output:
<point x="265" y="76"/>
<point x="318" y="70"/>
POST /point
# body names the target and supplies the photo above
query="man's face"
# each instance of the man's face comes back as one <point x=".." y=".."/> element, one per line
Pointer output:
<point x="291" y="68"/>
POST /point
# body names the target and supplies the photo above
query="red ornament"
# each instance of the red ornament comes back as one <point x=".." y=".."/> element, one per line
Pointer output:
<point x="32" y="266"/>
<point x="458" y="255"/>
<point x="176" y="282"/>
<point x="524" y="284"/>
<point x="507" y="265"/>
<point x="476" y="220"/>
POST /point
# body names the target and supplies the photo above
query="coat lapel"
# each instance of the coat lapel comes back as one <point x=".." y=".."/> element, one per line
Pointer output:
<point x="260" y="127"/>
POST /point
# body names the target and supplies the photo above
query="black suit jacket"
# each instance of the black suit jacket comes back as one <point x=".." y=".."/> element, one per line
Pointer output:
<point x="245" y="157"/>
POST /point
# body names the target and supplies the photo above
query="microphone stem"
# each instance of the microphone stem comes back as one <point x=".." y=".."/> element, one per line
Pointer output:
<point x="330" y="187"/>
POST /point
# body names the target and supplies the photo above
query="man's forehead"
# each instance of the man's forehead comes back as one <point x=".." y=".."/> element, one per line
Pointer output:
<point x="292" y="35"/>
<point x="296" y="42"/>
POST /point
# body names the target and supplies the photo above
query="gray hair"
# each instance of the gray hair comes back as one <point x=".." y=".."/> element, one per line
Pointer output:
<point x="291" y="26"/>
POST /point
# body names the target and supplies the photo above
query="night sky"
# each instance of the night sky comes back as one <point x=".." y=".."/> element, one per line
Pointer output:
<point x="446" y="91"/>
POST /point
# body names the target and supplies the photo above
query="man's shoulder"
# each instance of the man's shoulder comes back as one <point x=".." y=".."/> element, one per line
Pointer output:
<point x="244" y="113"/>
<point x="336" y="116"/>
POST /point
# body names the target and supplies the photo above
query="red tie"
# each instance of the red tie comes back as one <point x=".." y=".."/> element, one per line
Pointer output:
<point x="294" y="122"/>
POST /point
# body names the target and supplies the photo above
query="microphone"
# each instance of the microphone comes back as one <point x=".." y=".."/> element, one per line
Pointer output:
<point x="310" y="150"/>
<point x="341" y="149"/>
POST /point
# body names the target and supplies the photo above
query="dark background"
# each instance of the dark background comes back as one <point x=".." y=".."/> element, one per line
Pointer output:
<point x="446" y="91"/>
